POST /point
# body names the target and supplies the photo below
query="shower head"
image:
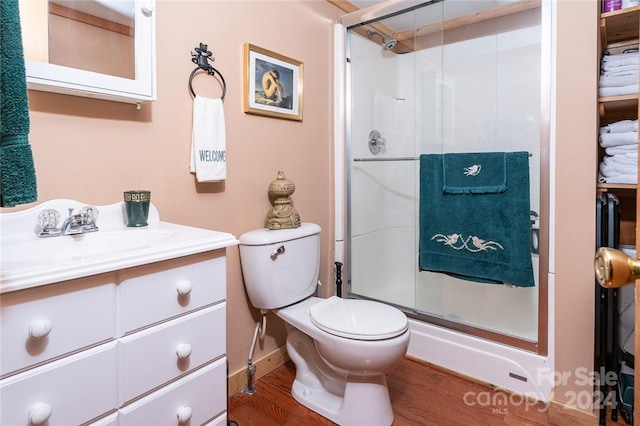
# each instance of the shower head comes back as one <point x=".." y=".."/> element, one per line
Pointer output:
<point x="387" y="43"/>
<point x="391" y="42"/>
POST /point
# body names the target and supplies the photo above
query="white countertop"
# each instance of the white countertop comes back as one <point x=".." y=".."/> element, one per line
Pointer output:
<point x="28" y="261"/>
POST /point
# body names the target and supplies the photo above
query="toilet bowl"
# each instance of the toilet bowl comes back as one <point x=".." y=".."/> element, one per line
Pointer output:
<point x="340" y="377"/>
<point x="345" y="337"/>
<point x="341" y="348"/>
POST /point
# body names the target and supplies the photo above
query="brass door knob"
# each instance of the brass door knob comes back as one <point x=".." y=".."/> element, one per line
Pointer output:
<point x="614" y="268"/>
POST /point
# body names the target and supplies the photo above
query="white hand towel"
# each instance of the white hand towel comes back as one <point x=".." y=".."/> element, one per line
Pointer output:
<point x="208" y="144"/>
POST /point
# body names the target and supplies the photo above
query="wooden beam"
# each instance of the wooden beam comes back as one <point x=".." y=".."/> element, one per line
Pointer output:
<point x="470" y="19"/>
<point x="406" y="38"/>
<point x="344" y="5"/>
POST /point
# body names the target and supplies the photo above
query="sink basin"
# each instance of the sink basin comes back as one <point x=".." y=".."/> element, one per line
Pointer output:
<point x="83" y="246"/>
<point x="27" y="260"/>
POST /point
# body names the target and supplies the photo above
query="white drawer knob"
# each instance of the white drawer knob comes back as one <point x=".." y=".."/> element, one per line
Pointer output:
<point x="39" y="414"/>
<point x="184" y="414"/>
<point x="183" y="350"/>
<point x="39" y="329"/>
<point x="184" y="288"/>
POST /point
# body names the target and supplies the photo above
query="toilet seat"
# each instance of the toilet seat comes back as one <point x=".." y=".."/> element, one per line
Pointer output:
<point x="358" y="319"/>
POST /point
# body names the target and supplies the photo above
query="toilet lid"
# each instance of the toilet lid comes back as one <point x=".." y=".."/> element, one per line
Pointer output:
<point x="358" y="319"/>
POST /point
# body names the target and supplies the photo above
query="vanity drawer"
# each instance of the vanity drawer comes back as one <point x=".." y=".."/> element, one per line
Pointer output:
<point x="198" y="397"/>
<point x="157" y="355"/>
<point x="72" y="390"/>
<point x="221" y="420"/>
<point x="153" y="293"/>
<point x="110" y="420"/>
<point x="46" y="322"/>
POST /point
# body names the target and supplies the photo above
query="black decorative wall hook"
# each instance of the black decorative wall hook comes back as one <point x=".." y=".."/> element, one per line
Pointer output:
<point x="201" y="56"/>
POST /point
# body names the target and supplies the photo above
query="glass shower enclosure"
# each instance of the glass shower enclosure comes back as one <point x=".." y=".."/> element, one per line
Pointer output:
<point x="440" y="77"/>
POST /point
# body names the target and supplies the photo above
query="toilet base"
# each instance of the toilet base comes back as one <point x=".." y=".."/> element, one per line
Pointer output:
<point x="354" y="408"/>
<point x="345" y="400"/>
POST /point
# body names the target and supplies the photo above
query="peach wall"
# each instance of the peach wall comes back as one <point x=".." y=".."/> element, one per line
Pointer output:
<point x="576" y="150"/>
<point x="91" y="150"/>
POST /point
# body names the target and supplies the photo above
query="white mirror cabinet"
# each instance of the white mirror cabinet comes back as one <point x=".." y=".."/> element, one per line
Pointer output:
<point x="103" y="49"/>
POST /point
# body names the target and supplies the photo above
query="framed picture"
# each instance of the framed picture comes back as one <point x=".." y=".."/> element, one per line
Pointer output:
<point x="272" y="84"/>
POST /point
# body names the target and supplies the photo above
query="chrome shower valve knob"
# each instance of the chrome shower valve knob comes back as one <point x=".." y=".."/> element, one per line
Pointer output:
<point x="376" y="142"/>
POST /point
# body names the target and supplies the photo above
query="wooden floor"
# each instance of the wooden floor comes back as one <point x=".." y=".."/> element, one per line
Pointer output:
<point x="420" y="395"/>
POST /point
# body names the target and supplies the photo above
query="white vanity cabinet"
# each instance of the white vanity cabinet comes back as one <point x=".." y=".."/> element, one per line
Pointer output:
<point x="143" y="345"/>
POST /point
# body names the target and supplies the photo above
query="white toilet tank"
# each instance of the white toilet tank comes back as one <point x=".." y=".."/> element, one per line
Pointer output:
<point x="280" y="267"/>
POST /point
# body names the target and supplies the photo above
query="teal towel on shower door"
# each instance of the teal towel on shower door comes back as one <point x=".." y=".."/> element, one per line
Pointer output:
<point x="475" y="217"/>
<point x="17" y="172"/>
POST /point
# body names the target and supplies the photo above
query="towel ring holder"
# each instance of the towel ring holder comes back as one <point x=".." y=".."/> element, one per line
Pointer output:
<point x="210" y="71"/>
<point x="201" y="56"/>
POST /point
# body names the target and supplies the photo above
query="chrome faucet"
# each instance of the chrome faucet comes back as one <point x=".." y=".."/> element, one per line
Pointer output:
<point x="78" y="223"/>
<point x="72" y="224"/>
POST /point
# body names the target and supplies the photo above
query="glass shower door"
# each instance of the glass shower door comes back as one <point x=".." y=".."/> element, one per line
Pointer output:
<point x="449" y="84"/>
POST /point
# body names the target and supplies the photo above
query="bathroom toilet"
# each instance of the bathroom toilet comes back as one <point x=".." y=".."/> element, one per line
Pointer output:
<point x="341" y="348"/>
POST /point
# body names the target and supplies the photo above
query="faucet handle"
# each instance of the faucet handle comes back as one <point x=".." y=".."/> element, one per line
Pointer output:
<point x="48" y="220"/>
<point x="89" y="215"/>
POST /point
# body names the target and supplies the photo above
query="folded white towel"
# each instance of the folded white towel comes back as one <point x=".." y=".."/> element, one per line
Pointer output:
<point x="208" y="140"/>
<point x="620" y="126"/>
<point x="609" y="170"/>
<point x="622" y="149"/>
<point x="630" y="159"/>
<point x="621" y="160"/>
<point x="620" y="59"/>
<point x="621" y="70"/>
<point x="617" y="139"/>
<point x="631" y="89"/>
<point x="619" y="80"/>
<point x="619" y="178"/>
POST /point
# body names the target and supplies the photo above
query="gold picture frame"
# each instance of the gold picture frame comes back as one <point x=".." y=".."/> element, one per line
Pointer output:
<point x="272" y="84"/>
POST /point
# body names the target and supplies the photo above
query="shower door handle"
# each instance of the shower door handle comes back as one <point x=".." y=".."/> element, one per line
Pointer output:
<point x="615" y="269"/>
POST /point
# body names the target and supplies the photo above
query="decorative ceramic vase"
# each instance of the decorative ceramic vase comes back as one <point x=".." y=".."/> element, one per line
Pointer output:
<point x="283" y="215"/>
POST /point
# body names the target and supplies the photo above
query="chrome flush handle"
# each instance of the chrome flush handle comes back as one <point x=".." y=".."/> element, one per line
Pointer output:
<point x="277" y="252"/>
